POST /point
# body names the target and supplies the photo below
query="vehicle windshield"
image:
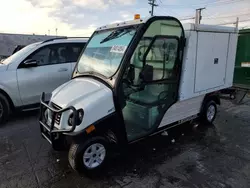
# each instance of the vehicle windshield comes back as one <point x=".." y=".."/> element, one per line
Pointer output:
<point x="105" y="51"/>
<point x="19" y="54"/>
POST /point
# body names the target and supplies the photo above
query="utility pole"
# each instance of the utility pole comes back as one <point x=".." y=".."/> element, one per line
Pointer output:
<point x="198" y="16"/>
<point x="237" y="23"/>
<point x="152" y="3"/>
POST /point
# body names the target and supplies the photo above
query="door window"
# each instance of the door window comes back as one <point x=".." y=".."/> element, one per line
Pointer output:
<point x="162" y="56"/>
<point x="41" y="56"/>
<point x="57" y="54"/>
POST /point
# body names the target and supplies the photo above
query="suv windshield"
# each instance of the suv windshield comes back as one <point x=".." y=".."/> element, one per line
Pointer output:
<point x="19" y="53"/>
<point x="105" y="50"/>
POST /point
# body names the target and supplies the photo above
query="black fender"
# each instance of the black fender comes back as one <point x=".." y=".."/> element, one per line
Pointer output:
<point x="210" y="97"/>
<point x="111" y="127"/>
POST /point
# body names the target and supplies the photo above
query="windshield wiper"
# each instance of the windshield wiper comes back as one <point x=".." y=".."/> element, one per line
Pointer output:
<point x="117" y="33"/>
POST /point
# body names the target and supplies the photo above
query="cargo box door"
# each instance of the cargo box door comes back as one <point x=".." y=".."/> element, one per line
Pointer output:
<point x="211" y="62"/>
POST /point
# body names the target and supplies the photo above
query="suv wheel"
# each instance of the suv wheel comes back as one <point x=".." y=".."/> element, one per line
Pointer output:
<point x="4" y="109"/>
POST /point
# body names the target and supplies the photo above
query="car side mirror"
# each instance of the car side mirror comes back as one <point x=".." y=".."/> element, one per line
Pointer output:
<point x="147" y="73"/>
<point x="30" y="63"/>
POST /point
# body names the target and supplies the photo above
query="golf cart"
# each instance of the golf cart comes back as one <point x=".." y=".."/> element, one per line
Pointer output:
<point x="136" y="79"/>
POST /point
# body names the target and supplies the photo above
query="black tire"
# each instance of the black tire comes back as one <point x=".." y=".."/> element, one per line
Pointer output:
<point x="5" y="106"/>
<point x="77" y="151"/>
<point x="232" y="96"/>
<point x="206" y="111"/>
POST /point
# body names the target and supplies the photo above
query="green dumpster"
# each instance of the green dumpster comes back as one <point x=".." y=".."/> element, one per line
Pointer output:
<point x="242" y="63"/>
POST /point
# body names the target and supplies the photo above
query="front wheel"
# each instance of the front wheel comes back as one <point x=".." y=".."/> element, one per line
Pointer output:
<point x="88" y="157"/>
<point x="209" y="112"/>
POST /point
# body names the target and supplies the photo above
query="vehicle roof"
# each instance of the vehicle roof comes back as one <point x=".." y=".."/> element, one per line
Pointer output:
<point x="209" y="28"/>
<point x="66" y="40"/>
<point x="122" y="24"/>
<point x="188" y="26"/>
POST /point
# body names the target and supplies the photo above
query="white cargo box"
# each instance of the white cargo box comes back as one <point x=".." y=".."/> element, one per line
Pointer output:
<point x="209" y="58"/>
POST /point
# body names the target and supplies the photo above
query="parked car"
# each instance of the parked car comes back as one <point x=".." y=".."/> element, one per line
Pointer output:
<point x="38" y="67"/>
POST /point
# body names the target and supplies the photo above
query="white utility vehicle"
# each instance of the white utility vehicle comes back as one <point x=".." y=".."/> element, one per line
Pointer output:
<point x="36" y="68"/>
<point x="136" y="79"/>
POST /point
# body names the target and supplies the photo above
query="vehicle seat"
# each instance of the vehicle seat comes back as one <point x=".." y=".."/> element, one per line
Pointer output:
<point x="63" y="56"/>
<point x="54" y="57"/>
<point x="71" y="54"/>
<point x="148" y="96"/>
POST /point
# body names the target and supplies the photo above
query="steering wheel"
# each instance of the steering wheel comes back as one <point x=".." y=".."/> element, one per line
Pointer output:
<point x="129" y="84"/>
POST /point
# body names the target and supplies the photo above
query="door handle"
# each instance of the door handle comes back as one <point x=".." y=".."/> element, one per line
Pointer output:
<point x="62" y="69"/>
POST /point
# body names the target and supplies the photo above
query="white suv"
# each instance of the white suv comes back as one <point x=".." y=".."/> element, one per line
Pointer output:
<point x="36" y="68"/>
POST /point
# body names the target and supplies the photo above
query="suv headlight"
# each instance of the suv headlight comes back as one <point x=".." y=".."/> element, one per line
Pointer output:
<point x="79" y="118"/>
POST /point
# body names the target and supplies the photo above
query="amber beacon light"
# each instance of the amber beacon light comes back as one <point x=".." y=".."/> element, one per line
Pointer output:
<point x="137" y="16"/>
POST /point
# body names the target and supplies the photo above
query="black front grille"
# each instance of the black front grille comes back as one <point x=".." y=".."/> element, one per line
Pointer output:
<point x="57" y="115"/>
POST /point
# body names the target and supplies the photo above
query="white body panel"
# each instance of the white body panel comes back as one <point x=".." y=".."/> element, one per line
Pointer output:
<point x="231" y="59"/>
<point x="35" y="80"/>
<point x="208" y="73"/>
<point x="200" y="73"/>
<point x="88" y="94"/>
<point x="181" y="110"/>
<point x="8" y="83"/>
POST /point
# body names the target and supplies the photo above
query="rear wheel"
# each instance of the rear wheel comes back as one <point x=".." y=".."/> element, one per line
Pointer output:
<point x="209" y="112"/>
<point x="4" y="109"/>
<point x="233" y="96"/>
<point x="89" y="157"/>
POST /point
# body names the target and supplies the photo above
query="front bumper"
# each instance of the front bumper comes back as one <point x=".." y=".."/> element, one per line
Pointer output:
<point x="48" y="131"/>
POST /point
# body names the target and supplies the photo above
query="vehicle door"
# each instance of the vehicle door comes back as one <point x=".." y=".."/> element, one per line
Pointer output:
<point x="74" y="50"/>
<point x="150" y="83"/>
<point x="43" y="71"/>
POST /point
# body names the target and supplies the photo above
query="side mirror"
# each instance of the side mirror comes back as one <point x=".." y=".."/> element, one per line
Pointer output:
<point x="30" y="63"/>
<point x="147" y="73"/>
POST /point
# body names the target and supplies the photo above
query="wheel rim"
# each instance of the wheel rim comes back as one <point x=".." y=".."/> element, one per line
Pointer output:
<point x="94" y="155"/>
<point x="1" y="109"/>
<point x="232" y="96"/>
<point x="210" y="113"/>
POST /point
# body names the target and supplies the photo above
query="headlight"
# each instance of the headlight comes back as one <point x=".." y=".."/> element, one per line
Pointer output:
<point x="79" y="118"/>
<point x="46" y="114"/>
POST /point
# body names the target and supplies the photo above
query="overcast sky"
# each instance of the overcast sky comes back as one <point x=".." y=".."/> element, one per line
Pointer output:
<point x="81" y="17"/>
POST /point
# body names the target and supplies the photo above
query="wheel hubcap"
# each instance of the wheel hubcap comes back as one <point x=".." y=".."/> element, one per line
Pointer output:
<point x="94" y="155"/>
<point x="1" y="110"/>
<point x="210" y="113"/>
